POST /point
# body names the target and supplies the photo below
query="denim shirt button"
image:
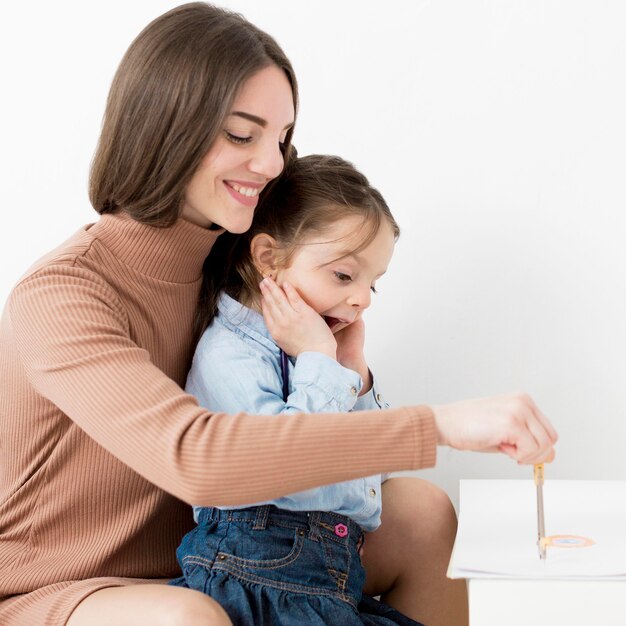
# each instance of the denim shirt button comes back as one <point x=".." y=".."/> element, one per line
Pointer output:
<point x="353" y="391"/>
<point x="372" y="492"/>
<point x="379" y="397"/>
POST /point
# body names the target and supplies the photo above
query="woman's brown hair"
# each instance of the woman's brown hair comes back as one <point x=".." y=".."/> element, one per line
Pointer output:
<point x="167" y="104"/>
<point x="311" y="194"/>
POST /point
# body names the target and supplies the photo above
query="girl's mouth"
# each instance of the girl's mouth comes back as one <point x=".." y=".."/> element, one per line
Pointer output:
<point x="333" y="322"/>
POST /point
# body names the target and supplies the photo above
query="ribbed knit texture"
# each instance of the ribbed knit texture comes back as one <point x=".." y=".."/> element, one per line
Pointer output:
<point x="100" y="448"/>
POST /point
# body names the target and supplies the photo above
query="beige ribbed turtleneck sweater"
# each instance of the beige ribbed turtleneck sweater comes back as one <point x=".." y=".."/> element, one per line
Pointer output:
<point x="100" y="448"/>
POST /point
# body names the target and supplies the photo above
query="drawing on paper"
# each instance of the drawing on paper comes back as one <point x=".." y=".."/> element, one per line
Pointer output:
<point x="567" y="541"/>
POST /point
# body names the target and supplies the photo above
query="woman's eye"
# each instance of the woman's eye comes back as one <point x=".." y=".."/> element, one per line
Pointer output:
<point x="237" y="139"/>
<point x="373" y="289"/>
<point x="343" y="277"/>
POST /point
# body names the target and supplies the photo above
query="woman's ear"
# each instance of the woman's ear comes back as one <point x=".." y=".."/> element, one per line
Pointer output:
<point x="264" y="250"/>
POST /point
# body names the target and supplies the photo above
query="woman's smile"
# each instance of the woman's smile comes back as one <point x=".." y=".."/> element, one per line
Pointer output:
<point x="246" y="193"/>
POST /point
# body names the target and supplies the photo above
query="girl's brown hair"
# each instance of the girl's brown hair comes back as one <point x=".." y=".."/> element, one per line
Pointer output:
<point x="312" y="193"/>
<point x="167" y="104"/>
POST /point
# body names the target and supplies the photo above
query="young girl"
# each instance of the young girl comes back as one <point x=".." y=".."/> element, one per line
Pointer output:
<point x="326" y="236"/>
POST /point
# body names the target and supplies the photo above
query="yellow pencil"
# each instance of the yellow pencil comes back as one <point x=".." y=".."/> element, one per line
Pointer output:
<point x="541" y="529"/>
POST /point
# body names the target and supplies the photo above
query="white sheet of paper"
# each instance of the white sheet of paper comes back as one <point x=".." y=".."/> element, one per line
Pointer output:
<point x="497" y="533"/>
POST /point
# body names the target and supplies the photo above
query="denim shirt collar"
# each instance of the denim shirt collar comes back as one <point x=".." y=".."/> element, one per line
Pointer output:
<point x="243" y="320"/>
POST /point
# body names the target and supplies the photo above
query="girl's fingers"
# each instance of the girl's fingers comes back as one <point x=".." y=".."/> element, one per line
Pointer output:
<point x="282" y="314"/>
<point x="271" y="298"/>
<point x="275" y="295"/>
<point x="266" y="301"/>
<point x="293" y="297"/>
<point x="267" y="314"/>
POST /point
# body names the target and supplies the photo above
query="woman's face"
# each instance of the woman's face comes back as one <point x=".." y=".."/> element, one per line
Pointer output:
<point x="246" y="155"/>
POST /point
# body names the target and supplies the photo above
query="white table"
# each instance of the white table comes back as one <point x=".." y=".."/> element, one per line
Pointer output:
<point x="498" y="602"/>
<point x="507" y="582"/>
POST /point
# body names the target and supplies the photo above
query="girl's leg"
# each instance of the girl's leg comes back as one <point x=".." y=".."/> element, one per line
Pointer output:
<point x="154" y="604"/>
<point x="407" y="557"/>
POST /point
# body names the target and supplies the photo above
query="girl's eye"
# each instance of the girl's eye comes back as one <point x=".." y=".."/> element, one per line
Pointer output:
<point x="373" y="289"/>
<point x="344" y="278"/>
<point x="237" y="139"/>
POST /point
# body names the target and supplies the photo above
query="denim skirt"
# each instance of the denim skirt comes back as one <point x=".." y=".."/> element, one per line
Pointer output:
<point x="271" y="567"/>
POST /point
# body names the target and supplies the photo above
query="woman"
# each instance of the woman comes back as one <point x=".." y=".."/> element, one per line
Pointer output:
<point x="102" y="449"/>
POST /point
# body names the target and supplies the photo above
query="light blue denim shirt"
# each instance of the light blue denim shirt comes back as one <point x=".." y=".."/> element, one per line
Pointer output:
<point x="236" y="368"/>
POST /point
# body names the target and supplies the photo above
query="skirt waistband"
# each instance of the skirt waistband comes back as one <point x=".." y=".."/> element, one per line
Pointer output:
<point x="317" y="524"/>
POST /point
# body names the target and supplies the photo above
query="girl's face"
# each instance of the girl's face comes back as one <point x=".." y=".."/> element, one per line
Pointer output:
<point x="224" y="189"/>
<point x="339" y="289"/>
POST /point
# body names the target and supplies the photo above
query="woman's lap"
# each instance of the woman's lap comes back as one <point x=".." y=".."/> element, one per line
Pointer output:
<point x="404" y="499"/>
<point x="54" y="603"/>
<point x="111" y="601"/>
<point x="267" y="566"/>
<point x="154" y="604"/>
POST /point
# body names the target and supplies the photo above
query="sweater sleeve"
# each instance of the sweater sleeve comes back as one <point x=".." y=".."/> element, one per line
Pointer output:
<point x="75" y="345"/>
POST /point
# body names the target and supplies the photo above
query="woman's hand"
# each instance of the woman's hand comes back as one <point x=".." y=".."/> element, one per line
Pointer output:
<point x="511" y="424"/>
<point x="293" y="324"/>
<point x="350" y="344"/>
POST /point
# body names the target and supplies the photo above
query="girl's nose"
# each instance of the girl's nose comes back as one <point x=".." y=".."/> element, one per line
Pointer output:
<point x="267" y="160"/>
<point x="361" y="297"/>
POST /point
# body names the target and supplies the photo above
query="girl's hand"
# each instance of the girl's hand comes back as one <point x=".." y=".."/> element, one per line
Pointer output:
<point x="511" y="424"/>
<point x="350" y="343"/>
<point x="293" y="324"/>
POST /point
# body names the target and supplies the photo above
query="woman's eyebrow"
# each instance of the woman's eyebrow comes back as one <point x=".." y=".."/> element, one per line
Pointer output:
<point x="256" y="119"/>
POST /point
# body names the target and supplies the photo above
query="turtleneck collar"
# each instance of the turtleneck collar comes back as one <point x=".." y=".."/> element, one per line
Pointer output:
<point x="174" y="254"/>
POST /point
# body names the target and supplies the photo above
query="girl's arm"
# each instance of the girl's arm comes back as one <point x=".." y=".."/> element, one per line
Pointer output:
<point x="234" y="374"/>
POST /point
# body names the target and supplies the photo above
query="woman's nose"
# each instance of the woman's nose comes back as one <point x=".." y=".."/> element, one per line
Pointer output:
<point x="267" y="160"/>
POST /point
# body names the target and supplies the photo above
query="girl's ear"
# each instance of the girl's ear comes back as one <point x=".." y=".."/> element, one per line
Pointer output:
<point x="264" y="251"/>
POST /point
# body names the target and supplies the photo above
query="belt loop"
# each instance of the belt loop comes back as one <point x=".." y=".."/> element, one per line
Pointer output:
<point x="314" y="525"/>
<point x="260" y="521"/>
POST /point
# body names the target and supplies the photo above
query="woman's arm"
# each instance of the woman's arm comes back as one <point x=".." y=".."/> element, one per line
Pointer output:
<point x="89" y="367"/>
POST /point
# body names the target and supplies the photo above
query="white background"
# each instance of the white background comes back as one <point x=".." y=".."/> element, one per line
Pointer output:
<point x="496" y="131"/>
